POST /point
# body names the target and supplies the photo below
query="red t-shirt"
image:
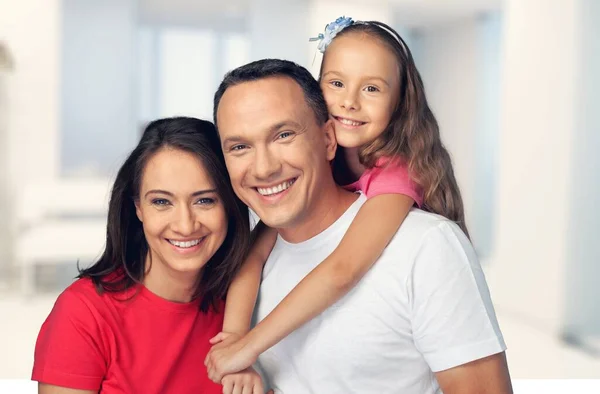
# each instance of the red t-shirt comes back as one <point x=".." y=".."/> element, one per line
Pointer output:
<point x="142" y="345"/>
<point x="388" y="177"/>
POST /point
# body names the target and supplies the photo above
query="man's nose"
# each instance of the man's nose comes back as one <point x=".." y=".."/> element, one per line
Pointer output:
<point x="266" y="164"/>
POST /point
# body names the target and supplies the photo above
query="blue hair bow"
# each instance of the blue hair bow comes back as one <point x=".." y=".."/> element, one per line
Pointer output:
<point x="331" y="30"/>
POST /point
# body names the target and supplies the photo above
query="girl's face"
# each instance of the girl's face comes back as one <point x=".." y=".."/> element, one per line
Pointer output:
<point x="360" y="81"/>
<point x="183" y="218"/>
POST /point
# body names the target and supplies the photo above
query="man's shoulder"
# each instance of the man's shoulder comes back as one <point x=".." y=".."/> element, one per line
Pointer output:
<point x="419" y="222"/>
<point x="426" y="229"/>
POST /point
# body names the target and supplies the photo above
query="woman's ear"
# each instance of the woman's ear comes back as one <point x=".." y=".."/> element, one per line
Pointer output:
<point x="138" y="211"/>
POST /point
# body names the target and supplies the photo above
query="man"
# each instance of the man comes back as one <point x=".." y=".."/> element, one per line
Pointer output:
<point x="420" y="320"/>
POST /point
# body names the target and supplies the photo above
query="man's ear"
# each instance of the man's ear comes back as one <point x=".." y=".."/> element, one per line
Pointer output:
<point x="330" y="141"/>
<point x="138" y="211"/>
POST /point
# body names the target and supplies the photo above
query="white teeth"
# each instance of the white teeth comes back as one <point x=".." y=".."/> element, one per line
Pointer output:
<point x="349" y="122"/>
<point x="267" y="191"/>
<point x="187" y="244"/>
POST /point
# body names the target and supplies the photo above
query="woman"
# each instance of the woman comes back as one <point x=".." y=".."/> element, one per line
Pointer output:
<point x="139" y="320"/>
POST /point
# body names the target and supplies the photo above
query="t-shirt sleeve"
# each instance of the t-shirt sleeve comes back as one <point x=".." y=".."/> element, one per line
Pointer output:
<point x="392" y="177"/>
<point x="453" y="317"/>
<point x="68" y="350"/>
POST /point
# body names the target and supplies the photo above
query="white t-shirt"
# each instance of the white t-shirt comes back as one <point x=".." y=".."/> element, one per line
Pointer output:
<point x="423" y="307"/>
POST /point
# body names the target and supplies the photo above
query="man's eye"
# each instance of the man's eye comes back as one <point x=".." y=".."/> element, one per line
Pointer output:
<point x="285" y="134"/>
<point x="238" y="147"/>
<point x="160" y="202"/>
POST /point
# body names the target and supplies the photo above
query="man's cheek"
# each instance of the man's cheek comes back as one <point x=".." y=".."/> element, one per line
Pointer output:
<point x="241" y="193"/>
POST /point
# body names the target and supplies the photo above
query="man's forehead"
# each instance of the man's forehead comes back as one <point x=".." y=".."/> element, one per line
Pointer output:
<point x="262" y="104"/>
<point x="277" y="88"/>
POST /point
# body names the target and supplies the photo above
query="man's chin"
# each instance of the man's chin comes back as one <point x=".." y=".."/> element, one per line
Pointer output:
<point x="274" y="221"/>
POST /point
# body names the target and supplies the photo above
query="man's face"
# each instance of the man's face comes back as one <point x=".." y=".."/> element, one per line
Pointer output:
<point x="276" y="152"/>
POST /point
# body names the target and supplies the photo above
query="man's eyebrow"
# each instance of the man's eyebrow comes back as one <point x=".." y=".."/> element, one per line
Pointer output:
<point x="232" y="140"/>
<point x="282" y="125"/>
<point x="273" y="129"/>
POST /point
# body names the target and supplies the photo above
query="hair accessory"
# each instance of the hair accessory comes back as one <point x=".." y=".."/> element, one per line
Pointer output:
<point x="331" y="30"/>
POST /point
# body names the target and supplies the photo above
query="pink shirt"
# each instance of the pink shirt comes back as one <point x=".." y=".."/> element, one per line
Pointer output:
<point x="387" y="177"/>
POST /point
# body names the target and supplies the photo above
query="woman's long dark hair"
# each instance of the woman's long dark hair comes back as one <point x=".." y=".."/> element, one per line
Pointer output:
<point x="122" y="264"/>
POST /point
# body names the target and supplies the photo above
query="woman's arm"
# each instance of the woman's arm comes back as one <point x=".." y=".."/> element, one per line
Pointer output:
<point x="242" y="293"/>
<point x="372" y="229"/>
<point x="50" y="389"/>
<point x="69" y="352"/>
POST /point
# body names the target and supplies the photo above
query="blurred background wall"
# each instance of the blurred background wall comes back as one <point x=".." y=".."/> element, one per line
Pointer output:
<point x="514" y="85"/>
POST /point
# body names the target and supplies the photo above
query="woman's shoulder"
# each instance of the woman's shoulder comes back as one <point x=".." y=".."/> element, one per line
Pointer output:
<point x="79" y="298"/>
<point x="84" y="286"/>
<point x="85" y="305"/>
<point x="84" y="296"/>
<point x="81" y="288"/>
<point x="101" y="288"/>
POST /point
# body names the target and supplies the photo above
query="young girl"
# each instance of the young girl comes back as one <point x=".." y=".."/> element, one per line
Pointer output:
<point x="390" y="150"/>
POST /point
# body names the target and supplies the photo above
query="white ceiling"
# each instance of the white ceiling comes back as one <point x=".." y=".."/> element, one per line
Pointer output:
<point x="410" y="13"/>
<point x="428" y="13"/>
<point x="192" y="9"/>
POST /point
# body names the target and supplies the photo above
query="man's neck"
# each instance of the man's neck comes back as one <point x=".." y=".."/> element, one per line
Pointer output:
<point x="347" y="168"/>
<point x="328" y="207"/>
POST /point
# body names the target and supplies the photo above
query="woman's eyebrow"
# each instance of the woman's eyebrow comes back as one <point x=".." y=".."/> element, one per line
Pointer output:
<point x="194" y="194"/>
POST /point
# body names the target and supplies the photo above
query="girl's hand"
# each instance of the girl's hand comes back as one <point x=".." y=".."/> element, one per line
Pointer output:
<point x="223" y="337"/>
<point x="229" y="356"/>
<point x="245" y="382"/>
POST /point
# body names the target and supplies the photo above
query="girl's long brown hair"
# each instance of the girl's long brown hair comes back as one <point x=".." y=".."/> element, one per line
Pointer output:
<point x="413" y="134"/>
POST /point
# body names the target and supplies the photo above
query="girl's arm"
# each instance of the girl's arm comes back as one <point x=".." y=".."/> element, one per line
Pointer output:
<point x="371" y="230"/>
<point x="241" y="296"/>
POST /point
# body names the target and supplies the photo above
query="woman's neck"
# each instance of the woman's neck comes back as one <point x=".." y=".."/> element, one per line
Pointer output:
<point x="168" y="284"/>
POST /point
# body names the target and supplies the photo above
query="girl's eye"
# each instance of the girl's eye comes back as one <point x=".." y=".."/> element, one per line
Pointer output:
<point x="161" y="202"/>
<point x="337" y="84"/>
<point x="372" y="89"/>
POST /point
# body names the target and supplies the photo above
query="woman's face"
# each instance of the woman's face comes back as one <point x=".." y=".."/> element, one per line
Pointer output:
<point x="182" y="215"/>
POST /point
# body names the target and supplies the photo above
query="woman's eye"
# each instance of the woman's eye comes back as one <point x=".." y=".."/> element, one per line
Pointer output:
<point x="337" y="84"/>
<point x="206" y="201"/>
<point x="372" y="89"/>
<point x="160" y="202"/>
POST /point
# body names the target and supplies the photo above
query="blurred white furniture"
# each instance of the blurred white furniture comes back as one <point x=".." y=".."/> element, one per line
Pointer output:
<point x="6" y="67"/>
<point x="59" y="221"/>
